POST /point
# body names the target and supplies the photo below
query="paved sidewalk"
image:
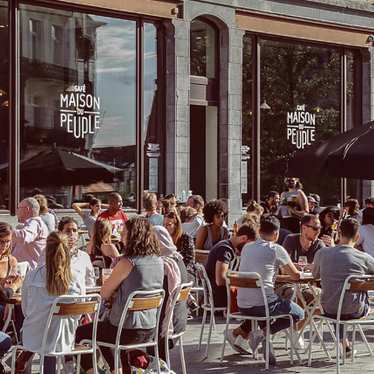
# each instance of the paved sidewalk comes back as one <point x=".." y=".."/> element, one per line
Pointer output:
<point x="235" y="364"/>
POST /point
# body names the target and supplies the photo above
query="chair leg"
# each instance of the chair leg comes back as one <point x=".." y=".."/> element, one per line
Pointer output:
<point x="181" y="352"/>
<point x="167" y="353"/>
<point x="267" y="345"/>
<point x="58" y="365"/>
<point x="202" y="328"/>
<point x="224" y="337"/>
<point x="78" y="368"/>
<point x="337" y="349"/>
<point x="344" y="338"/>
<point x="94" y="361"/>
<point x="365" y="340"/>
<point x="14" y="354"/>
<point x="41" y="364"/>
<point x="116" y="361"/>
<point x="157" y="355"/>
<point x="291" y="340"/>
<point x="211" y="321"/>
<point x="353" y="342"/>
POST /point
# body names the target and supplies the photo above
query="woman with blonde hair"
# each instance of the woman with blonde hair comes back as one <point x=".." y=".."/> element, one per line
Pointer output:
<point x="101" y="244"/>
<point x="39" y="291"/>
<point x="47" y="217"/>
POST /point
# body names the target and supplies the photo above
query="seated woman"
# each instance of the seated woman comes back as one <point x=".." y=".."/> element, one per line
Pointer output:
<point x="141" y="268"/>
<point x="8" y="263"/>
<point x="169" y="254"/>
<point x="40" y="289"/>
<point x="214" y="230"/>
<point x="101" y="243"/>
<point x="47" y="217"/>
<point x="183" y="241"/>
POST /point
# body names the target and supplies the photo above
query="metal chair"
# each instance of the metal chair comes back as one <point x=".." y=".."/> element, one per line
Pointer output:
<point x="253" y="280"/>
<point x="353" y="283"/>
<point x="137" y="301"/>
<point x="207" y="306"/>
<point x="67" y="307"/>
<point x="180" y="296"/>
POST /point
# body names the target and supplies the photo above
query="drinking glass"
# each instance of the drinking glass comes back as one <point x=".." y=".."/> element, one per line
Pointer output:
<point x="302" y="262"/>
<point x="97" y="274"/>
<point x="105" y="274"/>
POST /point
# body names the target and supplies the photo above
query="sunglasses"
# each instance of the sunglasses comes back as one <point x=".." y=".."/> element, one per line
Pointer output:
<point x="315" y="228"/>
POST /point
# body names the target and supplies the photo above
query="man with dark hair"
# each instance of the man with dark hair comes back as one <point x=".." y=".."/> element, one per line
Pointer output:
<point x="220" y="257"/>
<point x="333" y="265"/>
<point x="271" y="203"/>
<point x="266" y="258"/>
<point x="114" y="213"/>
<point x="306" y="243"/>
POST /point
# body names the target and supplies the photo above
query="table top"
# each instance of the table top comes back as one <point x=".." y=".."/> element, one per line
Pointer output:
<point x="95" y="289"/>
<point x="306" y="278"/>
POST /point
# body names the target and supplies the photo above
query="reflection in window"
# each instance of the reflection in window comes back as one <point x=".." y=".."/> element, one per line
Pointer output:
<point x="297" y="81"/>
<point x="152" y="121"/>
<point x="78" y="104"/>
<point x="4" y="105"/>
<point x="203" y="41"/>
<point x="246" y="168"/>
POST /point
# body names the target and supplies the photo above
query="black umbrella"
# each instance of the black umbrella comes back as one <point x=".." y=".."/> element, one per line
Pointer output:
<point x="62" y="167"/>
<point x="348" y="155"/>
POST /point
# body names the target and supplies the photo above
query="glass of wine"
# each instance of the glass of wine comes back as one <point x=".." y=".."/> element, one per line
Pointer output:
<point x="97" y="274"/>
<point x="302" y="262"/>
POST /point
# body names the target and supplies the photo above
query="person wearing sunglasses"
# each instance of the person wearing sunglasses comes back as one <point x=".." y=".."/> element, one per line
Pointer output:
<point x="305" y="243"/>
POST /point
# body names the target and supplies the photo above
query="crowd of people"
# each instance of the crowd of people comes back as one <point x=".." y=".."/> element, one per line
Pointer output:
<point x="156" y="250"/>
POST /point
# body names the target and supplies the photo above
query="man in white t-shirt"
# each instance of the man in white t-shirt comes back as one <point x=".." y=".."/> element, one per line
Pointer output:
<point x="266" y="258"/>
<point x="366" y="240"/>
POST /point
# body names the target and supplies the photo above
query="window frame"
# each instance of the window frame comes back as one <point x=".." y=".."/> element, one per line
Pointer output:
<point x="14" y="89"/>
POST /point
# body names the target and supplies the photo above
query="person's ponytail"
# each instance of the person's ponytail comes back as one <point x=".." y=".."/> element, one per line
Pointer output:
<point x="57" y="257"/>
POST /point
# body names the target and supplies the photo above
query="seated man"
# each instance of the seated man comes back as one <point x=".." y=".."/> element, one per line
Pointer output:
<point x="333" y="265"/>
<point x="219" y="260"/>
<point x="266" y="257"/>
<point x="306" y="243"/>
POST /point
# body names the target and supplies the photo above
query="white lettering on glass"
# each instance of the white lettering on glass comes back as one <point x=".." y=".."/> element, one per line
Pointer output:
<point x="79" y="111"/>
<point x="301" y="128"/>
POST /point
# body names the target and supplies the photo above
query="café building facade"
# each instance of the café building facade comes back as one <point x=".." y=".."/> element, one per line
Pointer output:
<point x="169" y="96"/>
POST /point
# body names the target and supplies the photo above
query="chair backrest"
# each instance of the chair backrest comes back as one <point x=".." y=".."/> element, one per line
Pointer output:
<point x="201" y="256"/>
<point x="205" y="282"/>
<point x="142" y="301"/>
<point x="179" y="295"/>
<point x="355" y="283"/>
<point x="241" y="279"/>
<point x="73" y="306"/>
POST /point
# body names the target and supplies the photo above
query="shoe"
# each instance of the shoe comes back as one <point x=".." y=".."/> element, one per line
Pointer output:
<point x="236" y="343"/>
<point x="299" y="343"/>
<point x="255" y="338"/>
<point x="349" y="353"/>
<point x="272" y="359"/>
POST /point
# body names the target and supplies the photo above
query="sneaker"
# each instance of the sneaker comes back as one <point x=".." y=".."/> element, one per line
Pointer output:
<point x="255" y="338"/>
<point x="272" y="359"/>
<point x="349" y="353"/>
<point x="236" y="343"/>
<point x="299" y="343"/>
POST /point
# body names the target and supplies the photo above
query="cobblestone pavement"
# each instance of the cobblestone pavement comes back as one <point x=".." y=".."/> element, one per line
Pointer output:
<point x="234" y="363"/>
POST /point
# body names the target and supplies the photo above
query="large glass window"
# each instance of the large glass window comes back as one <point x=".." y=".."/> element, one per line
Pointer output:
<point x="301" y="86"/>
<point x="153" y="132"/>
<point x="79" y="104"/>
<point x="4" y="105"/>
<point x="203" y="39"/>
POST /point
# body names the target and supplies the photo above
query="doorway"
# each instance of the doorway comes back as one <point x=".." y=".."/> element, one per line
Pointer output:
<point x="203" y="151"/>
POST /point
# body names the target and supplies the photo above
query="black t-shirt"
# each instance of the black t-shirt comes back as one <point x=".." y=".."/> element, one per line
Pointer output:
<point x="224" y="252"/>
<point x="293" y="247"/>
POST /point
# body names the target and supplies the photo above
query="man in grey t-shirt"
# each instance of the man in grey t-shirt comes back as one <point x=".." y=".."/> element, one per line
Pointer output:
<point x="266" y="257"/>
<point x="334" y="264"/>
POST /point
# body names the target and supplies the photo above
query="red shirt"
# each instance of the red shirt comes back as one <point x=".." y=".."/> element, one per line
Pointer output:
<point x="117" y="220"/>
